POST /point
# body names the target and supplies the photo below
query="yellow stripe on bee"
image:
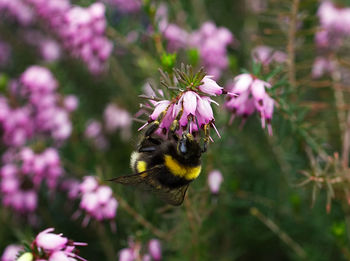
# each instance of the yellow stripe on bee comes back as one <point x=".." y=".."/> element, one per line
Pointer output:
<point x="179" y="170"/>
<point x="141" y="166"/>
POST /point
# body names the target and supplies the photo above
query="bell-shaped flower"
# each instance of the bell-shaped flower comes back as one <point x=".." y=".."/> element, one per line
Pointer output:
<point x="210" y="86"/>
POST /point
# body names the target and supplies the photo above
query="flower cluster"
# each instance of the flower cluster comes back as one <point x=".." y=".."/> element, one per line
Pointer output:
<point x="96" y="200"/>
<point x="83" y="34"/>
<point x="81" y="31"/>
<point x="114" y="118"/>
<point x="132" y="253"/>
<point x="209" y="40"/>
<point x="191" y="106"/>
<point x="46" y="246"/>
<point x="23" y="173"/>
<point x="41" y="114"/>
<point x="17" y="9"/>
<point x="251" y="96"/>
<point x="48" y="48"/>
<point x="335" y="26"/>
<point x="266" y="55"/>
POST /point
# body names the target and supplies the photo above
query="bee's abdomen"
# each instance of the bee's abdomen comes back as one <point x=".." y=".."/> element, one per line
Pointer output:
<point x="181" y="171"/>
<point x="136" y="163"/>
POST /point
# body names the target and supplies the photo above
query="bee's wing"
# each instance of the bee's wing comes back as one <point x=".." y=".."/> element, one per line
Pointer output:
<point x="173" y="196"/>
<point x="147" y="180"/>
<point x="138" y="178"/>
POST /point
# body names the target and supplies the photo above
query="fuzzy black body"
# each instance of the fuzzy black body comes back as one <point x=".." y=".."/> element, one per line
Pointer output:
<point x="165" y="166"/>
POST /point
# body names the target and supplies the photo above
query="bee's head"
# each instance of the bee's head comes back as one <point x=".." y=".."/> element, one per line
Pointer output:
<point x="188" y="147"/>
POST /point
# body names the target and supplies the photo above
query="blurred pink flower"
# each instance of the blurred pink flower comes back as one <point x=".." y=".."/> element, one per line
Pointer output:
<point x="322" y="66"/>
<point x="11" y="252"/>
<point x="214" y="181"/>
<point x="211" y="42"/>
<point x="126" y="254"/>
<point x="54" y="247"/>
<point x="117" y="118"/>
<point x="267" y="55"/>
<point x="155" y="249"/>
<point x="252" y="96"/>
<point x="50" y="241"/>
<point x="96" y="200"/>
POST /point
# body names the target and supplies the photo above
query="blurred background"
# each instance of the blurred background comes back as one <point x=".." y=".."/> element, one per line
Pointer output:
<point x="70" y="75"/>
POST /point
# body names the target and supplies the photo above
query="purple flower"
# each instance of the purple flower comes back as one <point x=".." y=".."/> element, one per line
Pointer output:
<point x="191" y="106"/>
<point x="267" y="55"/>
<point x="94" y="132"/>
<point x="126" y="254"/>
<point x="117" y="118"/>
<point x="155" y="249"/>
<point x="52" y="247"/>
<point x="97" y="201"/>
<point x="210" y="87"/>
<point x="252" y="96"/>
<point x="11" y="252"/>
<point x="214" y="181"/>
<point x="322" y="66"/>
<point x="50" y="241"/>
<point x="211" y="42"/>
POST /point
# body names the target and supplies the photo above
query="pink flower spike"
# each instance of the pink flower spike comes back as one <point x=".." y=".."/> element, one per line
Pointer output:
<point x="210" y="87"/>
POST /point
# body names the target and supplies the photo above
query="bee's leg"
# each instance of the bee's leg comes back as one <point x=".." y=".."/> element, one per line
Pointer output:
<point x="206" y="137"/>
<point x="175" y="125"/>
<point x="155" y="124"/>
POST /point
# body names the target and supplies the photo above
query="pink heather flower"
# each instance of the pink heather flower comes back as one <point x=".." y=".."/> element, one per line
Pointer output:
<point x="11" y="252"/>
<point x="117" y="118"/>
<point x="252" y="96"/>
<point x="38" y="79"/>
<point x="126" y="254"/>
<point x="214" y="181"/>
<point x="53" y="247"/>
<point x="193" y="103"/>
<point x="210" y="87"/>
<point x="40" y="115"/>
<point x="211" y="42"/>
<point x="96" y="200"/>
<point x="155" y="249"/>
<point x="22" y="175"/>
<point x="50" y="50"/>
<point x="94" y="132"/>
<point x="322" y="66"/>
<point x="176" y="36"/>
<point x="71" y="103"/>
<point x="50" y="241"/>
<point x="267" y="55"/>
<point x="333" y="18"/>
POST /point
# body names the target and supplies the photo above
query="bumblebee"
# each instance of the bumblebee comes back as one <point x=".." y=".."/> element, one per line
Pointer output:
<point x="166" y="165"/>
